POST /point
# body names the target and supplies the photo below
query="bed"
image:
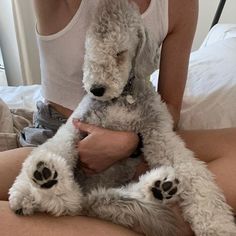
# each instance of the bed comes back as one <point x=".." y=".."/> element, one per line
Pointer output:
<point x="210" y="95"/>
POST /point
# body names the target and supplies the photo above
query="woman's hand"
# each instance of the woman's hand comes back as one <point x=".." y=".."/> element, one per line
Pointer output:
<point x="175" y="113"/>
<point x="101" y="148"/>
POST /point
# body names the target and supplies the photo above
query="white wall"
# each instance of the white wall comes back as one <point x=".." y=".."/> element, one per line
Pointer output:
<point x="207" y="9"/>
<point x="25" y="32"/>
<point x="3" y="79"/>
<point x="8" y="44"/>
<point x="18" y="42"/>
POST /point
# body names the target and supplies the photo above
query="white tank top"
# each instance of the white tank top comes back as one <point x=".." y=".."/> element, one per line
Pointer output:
<point x="62" y="53"/>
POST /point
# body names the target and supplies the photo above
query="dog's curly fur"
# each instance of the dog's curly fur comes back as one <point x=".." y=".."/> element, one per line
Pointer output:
<point x="118" y="46"/>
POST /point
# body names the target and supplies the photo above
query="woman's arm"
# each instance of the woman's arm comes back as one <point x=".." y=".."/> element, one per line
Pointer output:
<point x="53" y="15"/>
<point x="103" y="147"/>
<point x="175" y="53"/>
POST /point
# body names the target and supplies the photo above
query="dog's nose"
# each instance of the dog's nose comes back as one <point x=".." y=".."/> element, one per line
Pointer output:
<point x="97" y="91"/>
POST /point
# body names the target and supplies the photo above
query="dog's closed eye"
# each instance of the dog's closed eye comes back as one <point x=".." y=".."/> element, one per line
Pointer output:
<point x="120" y="56"/>
<point x="121" y="53"/>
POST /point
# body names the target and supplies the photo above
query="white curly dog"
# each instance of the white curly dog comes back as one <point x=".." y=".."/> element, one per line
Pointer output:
<point x="120" y="54"/>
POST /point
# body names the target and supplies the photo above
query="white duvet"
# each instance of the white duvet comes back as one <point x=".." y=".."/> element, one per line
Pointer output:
<point x="210" y="95"/>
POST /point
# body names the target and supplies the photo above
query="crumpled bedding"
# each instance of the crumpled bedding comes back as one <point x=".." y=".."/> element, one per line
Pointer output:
<point x="210" y="95"/>
<point x="11" y="123"/>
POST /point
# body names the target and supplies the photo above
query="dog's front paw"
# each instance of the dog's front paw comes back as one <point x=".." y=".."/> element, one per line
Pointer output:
<point x="26" y="206"/>
<point x="47" y="170"/>
<point x="45" y="176"/>
<point x="46" y="184"/>
<point x="21" y="200"/>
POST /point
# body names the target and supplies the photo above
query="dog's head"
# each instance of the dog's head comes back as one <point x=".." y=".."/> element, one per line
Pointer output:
<point x="117" y="43"/>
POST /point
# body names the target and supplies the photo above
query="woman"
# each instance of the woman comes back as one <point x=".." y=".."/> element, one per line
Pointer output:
<point x="61" y="27"/>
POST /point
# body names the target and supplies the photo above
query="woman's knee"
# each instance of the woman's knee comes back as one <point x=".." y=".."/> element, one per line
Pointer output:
<point x="210" y="145"/>
<point x="10" y="165"/>
<point x="224" y="171"/>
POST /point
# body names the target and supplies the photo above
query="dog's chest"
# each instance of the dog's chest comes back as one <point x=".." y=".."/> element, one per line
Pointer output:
<point x="122" y="117"/>
<point x="118" y="115"/>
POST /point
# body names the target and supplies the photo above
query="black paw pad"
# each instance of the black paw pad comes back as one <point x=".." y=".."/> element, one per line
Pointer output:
<point x="49" y="184"/>
<point x="173" y="191"/>
<point x="165" y="189"/>
<point x="167" y="185"/>
<point x="38" y="175"/>
<point x="157" y="193"/>
<point x="44" y="176"/>
<point x="19" y="212"/>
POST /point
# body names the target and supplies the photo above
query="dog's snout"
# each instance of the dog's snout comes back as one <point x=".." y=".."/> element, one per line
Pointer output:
<point x="98" y="91"/>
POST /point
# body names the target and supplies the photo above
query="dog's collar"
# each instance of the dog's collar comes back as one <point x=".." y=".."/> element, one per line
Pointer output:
<point x="128" y="89"/>
<point x="129" y="85"/>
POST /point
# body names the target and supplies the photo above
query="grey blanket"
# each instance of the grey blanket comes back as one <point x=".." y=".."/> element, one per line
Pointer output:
<point x="12" y="122"/>
<point x="24" y="128"/>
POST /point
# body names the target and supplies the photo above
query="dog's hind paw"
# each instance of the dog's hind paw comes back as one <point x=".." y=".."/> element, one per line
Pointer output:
<point x="159" y="184"/>
<point x="165" y="189"/>
<point x="45" y="176"/>
<point x="165" y="184"/>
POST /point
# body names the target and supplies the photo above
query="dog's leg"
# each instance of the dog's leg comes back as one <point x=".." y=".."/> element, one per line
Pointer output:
<point x="137" y="206"/>
<point x="158" y="184"/>
<point x="46" y="182"/>
<point x="202" y="202"/>
<point x="51" y="188"/>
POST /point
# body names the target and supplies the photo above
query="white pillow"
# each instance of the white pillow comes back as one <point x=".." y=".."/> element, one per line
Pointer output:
<point x="210" y="95"/>
<point x="209" y="100"/>
<point x="219" y="32"/>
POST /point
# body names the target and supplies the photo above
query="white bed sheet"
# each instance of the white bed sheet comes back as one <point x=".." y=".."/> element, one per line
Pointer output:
<point x="219" y="32"/>
<point x="210" y="95"/>
<point x="21" y="96"/>
<point x="209" y="101"/>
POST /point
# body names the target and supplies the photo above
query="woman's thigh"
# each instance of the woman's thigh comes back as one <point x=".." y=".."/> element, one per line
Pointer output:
<point x="218" y="149"/>
<point x="224" y="171"/>
<point x="42" y="224"/>
<point x="10" y="165"/>
<point x="209" y="145"/>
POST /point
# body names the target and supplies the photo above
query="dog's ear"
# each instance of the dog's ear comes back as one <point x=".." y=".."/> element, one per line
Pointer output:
<point x="147" y="54"/>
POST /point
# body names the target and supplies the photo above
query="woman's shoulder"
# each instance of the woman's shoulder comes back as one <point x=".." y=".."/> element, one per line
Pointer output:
<point x="52" y="16"/>
<point x="182" y="13"/>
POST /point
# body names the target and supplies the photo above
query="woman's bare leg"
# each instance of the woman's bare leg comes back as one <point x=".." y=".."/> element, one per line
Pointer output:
<point x="224" y="170"/>
<point x="218" y="149"/>
<point x="10" y="165"/>
<point x="42" y="224"/>
<point x="209" y="145"/>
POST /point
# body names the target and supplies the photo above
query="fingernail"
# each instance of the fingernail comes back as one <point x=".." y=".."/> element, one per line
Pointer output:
<point x="75" y="122"/>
